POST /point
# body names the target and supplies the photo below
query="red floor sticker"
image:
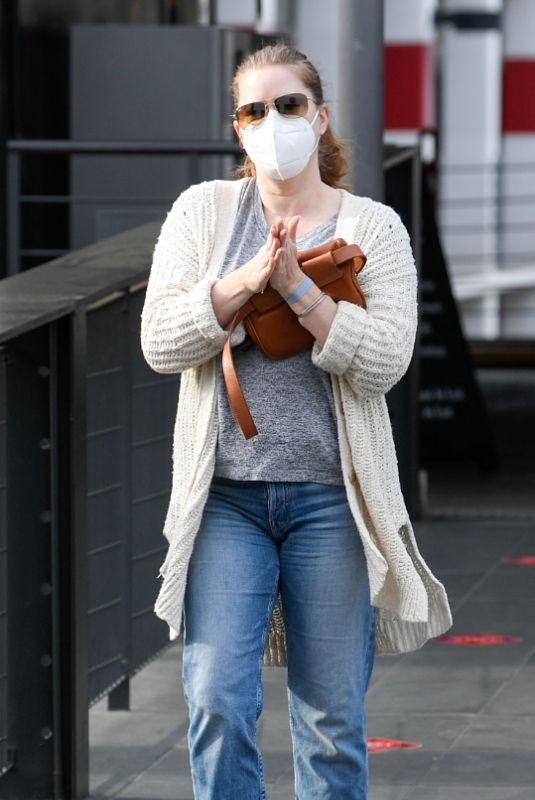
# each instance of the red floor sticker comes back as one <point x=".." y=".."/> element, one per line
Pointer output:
<point x="528" y="561"/>
<point x="380" y="745"/>
<point x="478" y="639"/>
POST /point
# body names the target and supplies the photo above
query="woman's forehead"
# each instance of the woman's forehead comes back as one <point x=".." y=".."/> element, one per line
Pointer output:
<point x="266" y="83"/>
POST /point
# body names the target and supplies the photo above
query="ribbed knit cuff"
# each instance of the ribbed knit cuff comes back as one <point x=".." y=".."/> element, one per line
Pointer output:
<point x="203" y="312"/>
<point x="394" y="635"/>
<point x="343" y="339"/>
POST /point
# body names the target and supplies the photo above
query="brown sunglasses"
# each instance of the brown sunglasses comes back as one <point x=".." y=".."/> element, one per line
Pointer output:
<point x="289" y="105"/>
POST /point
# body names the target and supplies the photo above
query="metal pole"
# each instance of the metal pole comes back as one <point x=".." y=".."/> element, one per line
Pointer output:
<point x="75" y="578"/>
<point x="13" y="213"/>
<point x="360" y="67"/>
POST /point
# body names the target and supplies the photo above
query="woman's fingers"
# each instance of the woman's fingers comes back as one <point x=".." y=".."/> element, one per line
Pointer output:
<point x="274" y="228"/>
<point x="269" y="248"/>
<point x="279" y="254"/>
<point x="267" y="271"/>
<point x="293" y="224"/>
<point x="283" y="247"/>
<point x="275" y="260"/>
<point x="272" y="265"/>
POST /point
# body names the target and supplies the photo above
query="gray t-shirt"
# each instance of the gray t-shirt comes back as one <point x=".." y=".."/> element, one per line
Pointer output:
<point x="290" y="399"/>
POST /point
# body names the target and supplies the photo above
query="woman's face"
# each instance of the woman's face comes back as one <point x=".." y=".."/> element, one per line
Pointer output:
<point x="270" y="82"/>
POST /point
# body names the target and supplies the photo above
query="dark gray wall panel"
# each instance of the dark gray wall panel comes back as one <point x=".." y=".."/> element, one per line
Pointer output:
<point x="153" y="410"/>
<point x="131" y="411"/>
<point x="107" y="505"/>
<point x="104" y="460"/>
<point x="151" y="467"/>
<point x="149" y="636"/>
<point x="146" y="83"/>
<point x="144" y="591"/>
<point x="148" y="517"/>
<point x="105" y="406"/>
<point x="105" y="568"/>
<point x="108" y="434"/>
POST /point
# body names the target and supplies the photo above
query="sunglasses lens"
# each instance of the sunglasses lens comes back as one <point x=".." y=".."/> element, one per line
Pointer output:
<point x="250" y="113"/>
<point x="292" y="105"/>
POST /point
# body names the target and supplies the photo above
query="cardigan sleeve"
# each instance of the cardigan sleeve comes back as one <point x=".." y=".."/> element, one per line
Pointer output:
<point x="372" y="348"/>
<point x="179" y="328"/>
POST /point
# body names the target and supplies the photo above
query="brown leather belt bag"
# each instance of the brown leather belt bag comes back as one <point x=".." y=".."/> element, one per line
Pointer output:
<point x="274" y="327"/>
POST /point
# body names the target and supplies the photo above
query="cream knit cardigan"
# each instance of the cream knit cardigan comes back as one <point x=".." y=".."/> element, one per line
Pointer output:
<point x="366" y="353"/>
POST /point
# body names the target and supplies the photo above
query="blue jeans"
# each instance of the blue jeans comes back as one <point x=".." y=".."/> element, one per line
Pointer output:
<point x="256" y="538"/>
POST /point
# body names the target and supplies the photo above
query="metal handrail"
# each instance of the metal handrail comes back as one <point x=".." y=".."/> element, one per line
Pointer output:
<point x="17" y="148"/>
<point x="115" y="147"/>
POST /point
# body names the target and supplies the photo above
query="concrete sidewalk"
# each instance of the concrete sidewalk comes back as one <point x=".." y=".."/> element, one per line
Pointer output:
<point x="472" y="709"/>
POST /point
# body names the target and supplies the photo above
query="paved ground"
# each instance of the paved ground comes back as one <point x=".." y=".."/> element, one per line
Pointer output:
<point x="472" y="709"/>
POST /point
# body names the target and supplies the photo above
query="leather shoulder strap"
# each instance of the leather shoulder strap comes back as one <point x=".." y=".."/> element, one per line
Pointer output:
<point x="237" y="400"/>
<point x="348" y="251"/>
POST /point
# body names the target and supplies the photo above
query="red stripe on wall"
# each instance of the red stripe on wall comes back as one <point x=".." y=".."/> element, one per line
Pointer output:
<point x="519" y="95"/>
<point x="409" y="87"/>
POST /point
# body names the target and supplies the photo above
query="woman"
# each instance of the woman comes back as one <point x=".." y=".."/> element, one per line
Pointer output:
<point x="293" y="547"/>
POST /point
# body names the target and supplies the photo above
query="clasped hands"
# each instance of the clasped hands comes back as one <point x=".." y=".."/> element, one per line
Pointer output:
<point x="276" y="261"/>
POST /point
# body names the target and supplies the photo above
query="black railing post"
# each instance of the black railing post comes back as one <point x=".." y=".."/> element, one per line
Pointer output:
<point x="13" y="212"/>
<point x="73" y="454"/>
<point x="5" y="760"/>
<point x="31" y="724"/>
<point x="53" y="373"/>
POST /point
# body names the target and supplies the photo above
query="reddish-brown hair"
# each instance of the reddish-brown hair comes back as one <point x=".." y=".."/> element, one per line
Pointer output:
<point x="332" y="158"/>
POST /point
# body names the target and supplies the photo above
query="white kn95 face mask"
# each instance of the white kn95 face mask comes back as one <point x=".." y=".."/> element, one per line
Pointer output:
<point x="280" y="147"/>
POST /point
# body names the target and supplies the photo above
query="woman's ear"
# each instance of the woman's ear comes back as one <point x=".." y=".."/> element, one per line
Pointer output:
<point x="324" y="117"/>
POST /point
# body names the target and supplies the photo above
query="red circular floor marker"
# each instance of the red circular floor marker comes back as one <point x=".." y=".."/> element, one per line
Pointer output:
<point x="528" y="561"/>
<point x="380" y="745"/>
<point x="480" y="639"/>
